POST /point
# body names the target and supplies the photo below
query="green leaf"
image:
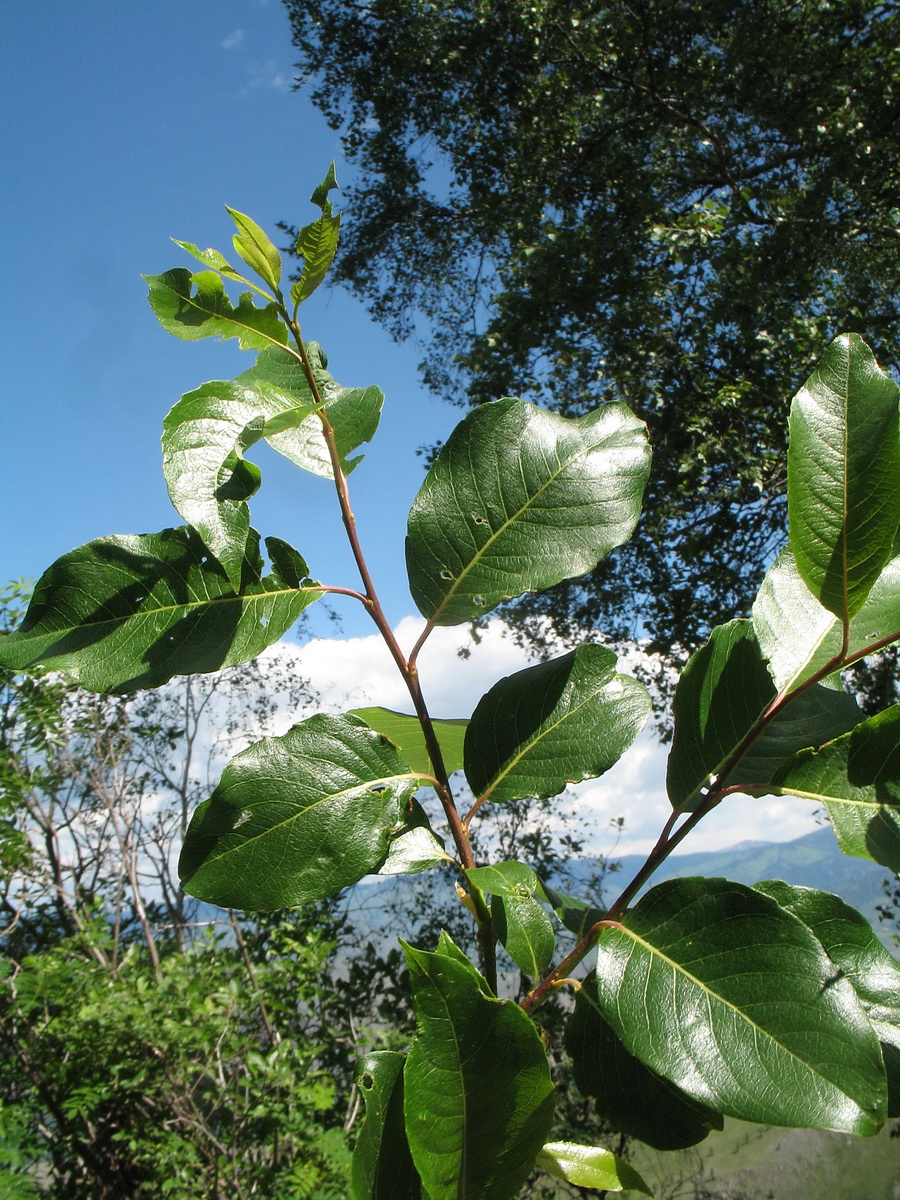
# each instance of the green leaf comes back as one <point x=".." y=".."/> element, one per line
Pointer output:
<point x="843" y="475"/>
<point x="590" y="1166"/>
<point x="382" y="1167"/>
<point x="857" y="777"/>
<point x="521" y="925"/>
<point x="209" y="429"/>
<point x="479" y="1098"/>
<point x="561" y="721"/>
<point x="519" y="499"/>
<point x="627" y="1094"/>
<point x="317" y="243"/>
<point x="709" y="975"/>
<point x="320" y="195"/>
<point x="354" y="413"/>
<point x="212" y="259"/>
<point x="724" y="690"/>
<point x="296" y="818"/>
<point x="414" y="846"/>
<point x="799" y="637"/>
<point x="204" y="439"/>
<point x="256" y="249"/>
<point x="207" y="312"/>
<point x="126" y="612"/>
<point x="525" y="932"/>
<point x="406" y="732"/>
<point x="851" y="944"/>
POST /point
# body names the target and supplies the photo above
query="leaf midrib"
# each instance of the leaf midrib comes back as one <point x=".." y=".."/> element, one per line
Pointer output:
<point x="23" y="638"/>
<point x="715" y="996"/>
<point x="541" y="734"/>
<point x="480" y="551"/>
<point x="386" y="781"/>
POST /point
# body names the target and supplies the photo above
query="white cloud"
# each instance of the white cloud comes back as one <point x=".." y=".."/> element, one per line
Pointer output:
<point x="266" y="74"/>
<point x="234" y="39"/>
<point x="355" y="672"/>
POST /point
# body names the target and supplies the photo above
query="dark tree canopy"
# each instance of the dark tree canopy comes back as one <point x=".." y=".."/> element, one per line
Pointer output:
<point x="675" y="203"/>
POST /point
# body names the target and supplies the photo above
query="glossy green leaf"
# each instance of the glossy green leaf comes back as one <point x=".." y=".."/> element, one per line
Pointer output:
<point x="590" y="1166"/>
<point x="204" y="439"/>
<point x="196" y="306"/>
<point x="406" y="732"/>
<point x="382" y="1167"/>
<point x="631" y="1097"/>
<point x="799" y="637"/>
<point x="126" y="612"/>
<point x="213" y="259"/>
<point x="561" y="721"/>
<point x="844" y="475"/>
<point x="296" y="818"/>
<point x="525" y="932"/>
<point x="414" y="847"/>
<point x="857" y="777"/>
<point x="521" y="924"/>
<point x="505" y="879"/>
<point x="207" y="432"/>
<point x="255" y="248"/>
<point x="708" y="976"/>
<point x="859" y="955"/>
<point x="317" y="244"/>
<point x="479" y="1098"/>
<point x="519" y="499"/>
<point x="724" y="690"/>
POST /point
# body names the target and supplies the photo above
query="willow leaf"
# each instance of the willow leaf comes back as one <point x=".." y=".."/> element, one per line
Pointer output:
<point x="126" y="612"/>
<point x="479" y="1098"/>
<point x="196" y="306"/>
<point x="519" y="499"/>
<point x="843" y="475"/>
<point x="561" y="721"/>
<point x="720" y="990"/>
<point x="296" y="818"/>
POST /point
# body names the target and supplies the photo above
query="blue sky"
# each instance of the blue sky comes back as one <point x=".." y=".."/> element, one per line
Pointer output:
<point x="125" y="125"/>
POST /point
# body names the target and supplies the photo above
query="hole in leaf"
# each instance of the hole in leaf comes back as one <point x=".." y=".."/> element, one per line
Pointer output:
<point x="264" y="621"/>
<point x="368" y="1081"/>
<point x="478" y="519"/>
<point x="378" y="787"/>
<point x="479" y="600"/>
<point x="446" y="575"/>
<point x="242" y="820"/>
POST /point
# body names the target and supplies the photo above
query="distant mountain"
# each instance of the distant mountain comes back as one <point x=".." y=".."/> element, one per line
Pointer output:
<point x="810" y="861"/>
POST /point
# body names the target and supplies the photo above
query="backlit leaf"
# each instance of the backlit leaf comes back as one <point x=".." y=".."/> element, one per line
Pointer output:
<point x="406" y="732"/>
<point x="857" y="777"/>
<point x="590" y="1166"/>
<point x="720" y="990"/>
<point x="196" y="306"/>
<point x="798" y="636"/>
<point x="561" y="721"/>
<point x="479" y="1099"/>
<point x="296" y="818"/>
<point x="519" y="499"/>
<point x="126" y="612"/>
<point x="843" y="475"/>
<point x="255" y="248"/>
